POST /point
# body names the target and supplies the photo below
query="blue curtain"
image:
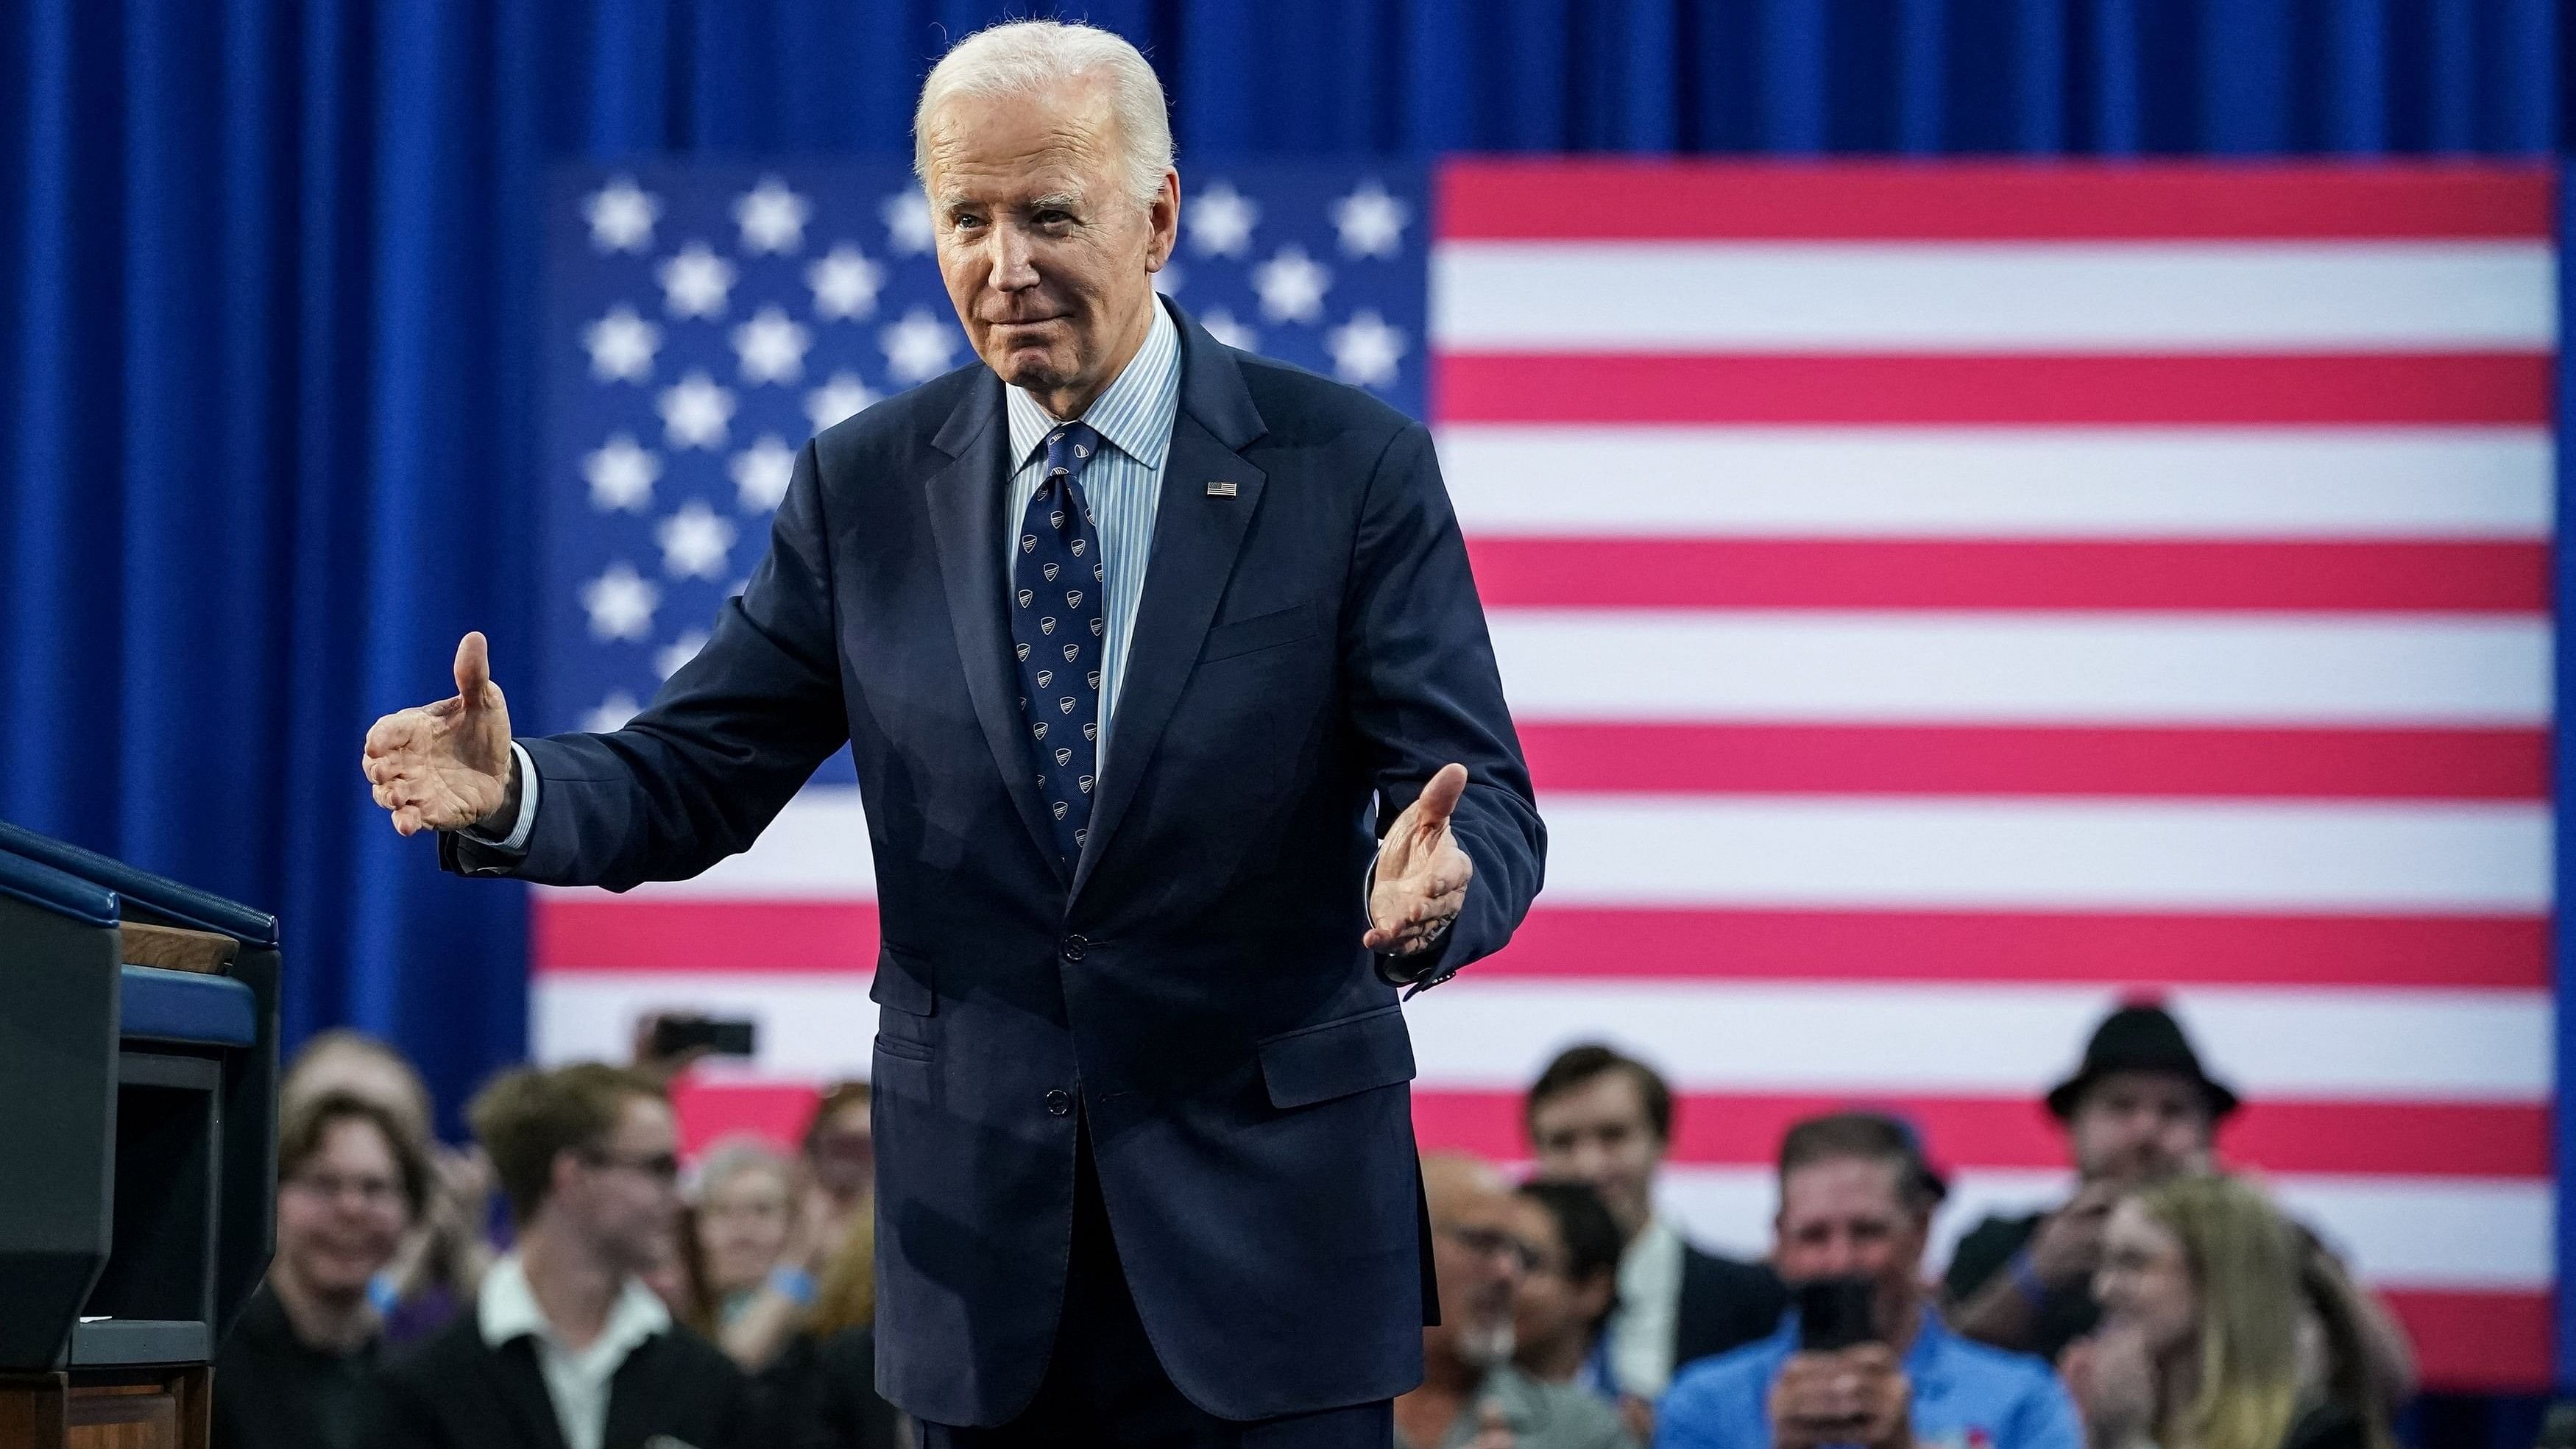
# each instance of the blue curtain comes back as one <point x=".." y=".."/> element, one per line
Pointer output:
<point x="267" y="290"/>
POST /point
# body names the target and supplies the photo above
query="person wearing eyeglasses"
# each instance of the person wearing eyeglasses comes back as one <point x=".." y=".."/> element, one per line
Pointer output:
<point x="351" y="1182"/>
<point x="566" y="1347"/>
<point x="1472" y="1396"/>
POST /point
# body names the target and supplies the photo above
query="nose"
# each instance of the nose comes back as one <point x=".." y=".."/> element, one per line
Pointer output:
<point x="1014" y="260"/>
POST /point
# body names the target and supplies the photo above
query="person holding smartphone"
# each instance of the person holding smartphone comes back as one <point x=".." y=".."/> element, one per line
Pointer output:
<point x="1861" y="1358"/>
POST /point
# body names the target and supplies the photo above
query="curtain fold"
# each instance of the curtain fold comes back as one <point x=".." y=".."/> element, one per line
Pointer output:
<point x="269" y="285"/>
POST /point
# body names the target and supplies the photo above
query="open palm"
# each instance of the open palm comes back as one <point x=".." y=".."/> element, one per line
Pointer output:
<point x="445" y="766"/>
<point x="1422" y="874"/>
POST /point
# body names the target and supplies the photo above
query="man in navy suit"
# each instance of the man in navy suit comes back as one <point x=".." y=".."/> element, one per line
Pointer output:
<point x="1183" y="750"/>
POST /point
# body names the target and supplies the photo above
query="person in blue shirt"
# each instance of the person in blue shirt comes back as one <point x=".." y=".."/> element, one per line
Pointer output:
<point x="1856" y="1201"/>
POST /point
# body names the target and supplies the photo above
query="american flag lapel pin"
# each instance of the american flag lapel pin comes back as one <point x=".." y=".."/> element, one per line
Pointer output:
<point x="1219" y="488"/>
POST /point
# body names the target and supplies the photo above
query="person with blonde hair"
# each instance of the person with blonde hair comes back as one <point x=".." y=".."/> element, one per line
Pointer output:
<point x="2225" y="1326"/>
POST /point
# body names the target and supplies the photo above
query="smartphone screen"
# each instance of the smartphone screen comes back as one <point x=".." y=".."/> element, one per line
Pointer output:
<point x="1834" y="1313"/>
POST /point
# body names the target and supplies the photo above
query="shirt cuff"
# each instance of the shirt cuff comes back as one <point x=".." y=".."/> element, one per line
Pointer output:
<point x="516" y="842"/>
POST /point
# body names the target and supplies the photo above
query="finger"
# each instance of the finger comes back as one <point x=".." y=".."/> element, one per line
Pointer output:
<point x="1439" y="799"/>
<point x="473" y="668"/>
<point x="407" y="821"/>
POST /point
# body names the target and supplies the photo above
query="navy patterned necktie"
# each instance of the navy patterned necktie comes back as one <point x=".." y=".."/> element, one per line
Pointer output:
<point x="1056" y="632"/>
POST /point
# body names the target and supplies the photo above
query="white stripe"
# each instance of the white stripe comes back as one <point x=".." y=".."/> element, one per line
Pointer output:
<point x="2028" y="667"/>
<point x="1880" y="1039"/>
<point x="2324" y="1044"/>
<point x="2121" y="297"/>
<point x="2492" y="1234"/>
<point x="2022" y="853"/>
<point x="2249" y="483"/>
<point x="816" y="850"/>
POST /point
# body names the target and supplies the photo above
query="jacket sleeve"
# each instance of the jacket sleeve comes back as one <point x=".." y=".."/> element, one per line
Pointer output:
<point x="730" y="738"/>
<point x="1425" y="691"/>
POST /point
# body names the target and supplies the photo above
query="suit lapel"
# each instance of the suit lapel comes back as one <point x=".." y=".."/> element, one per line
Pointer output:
<point x="521" y="1387"/>
<point x="1196" y="538"/>
<point x="636" y="1394"/>
<point x="965" y="501"/>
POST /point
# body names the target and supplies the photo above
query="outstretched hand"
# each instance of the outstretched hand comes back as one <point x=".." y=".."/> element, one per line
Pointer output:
<point x="445" y="766"/>
<point x="1422" y="875"/>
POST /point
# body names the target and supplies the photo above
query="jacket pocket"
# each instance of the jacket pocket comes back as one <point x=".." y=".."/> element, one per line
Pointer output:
<point x="911" y="1051"/>
<point x="1336" y="1058"/>
<point x="1261" y="631"/>
<point x="904" y="982"/>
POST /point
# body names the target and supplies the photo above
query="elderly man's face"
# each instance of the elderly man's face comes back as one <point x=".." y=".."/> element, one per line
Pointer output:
<point x="1047" y="257"/>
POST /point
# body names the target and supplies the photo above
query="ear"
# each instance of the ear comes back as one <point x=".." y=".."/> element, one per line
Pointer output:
<point x="563" y="1175"/>
<point x="1163" y="219"/>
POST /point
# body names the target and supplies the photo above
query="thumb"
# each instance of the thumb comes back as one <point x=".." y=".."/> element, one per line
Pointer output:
<point x="1439" y="799"/>
<point x="473" y="668"/>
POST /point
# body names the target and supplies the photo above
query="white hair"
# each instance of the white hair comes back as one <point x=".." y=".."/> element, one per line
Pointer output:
<point x="734" y="1156"/>
<point x="1024" y="57"/>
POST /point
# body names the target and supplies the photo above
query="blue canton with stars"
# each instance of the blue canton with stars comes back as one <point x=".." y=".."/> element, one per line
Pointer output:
<point x="704" y="320"/>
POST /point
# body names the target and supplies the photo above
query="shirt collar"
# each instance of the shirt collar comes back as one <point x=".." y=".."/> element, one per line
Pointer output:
<point x="1134" y="413"/>
<point x="506" y="1308"/>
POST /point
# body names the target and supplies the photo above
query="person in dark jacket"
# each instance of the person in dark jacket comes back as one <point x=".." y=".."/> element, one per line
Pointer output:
<point x="293" y="1372"/>
<point x="1597" y="1116"/>
<point x="566" y="1348"/>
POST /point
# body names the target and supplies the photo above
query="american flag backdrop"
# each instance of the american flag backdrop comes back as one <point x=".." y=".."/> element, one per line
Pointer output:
<point x="1938" y="601"/>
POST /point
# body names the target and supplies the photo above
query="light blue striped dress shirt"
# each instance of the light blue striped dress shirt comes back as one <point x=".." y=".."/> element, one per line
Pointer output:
<point x="1124" y="487"/>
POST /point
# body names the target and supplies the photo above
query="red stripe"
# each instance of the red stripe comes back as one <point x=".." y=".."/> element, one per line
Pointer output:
<point x="1899" y="201"/>
<point x="1931" y="388"/>
<point x="2463" y="764"/>
<point x="2141" y="951"/>
<point x="2478" y="1342"/>
<point x="2411" y="1139"/>
<point x="710" y="1112"/>
<point x="576" y="933"/>
<point x="1716" y="573"/>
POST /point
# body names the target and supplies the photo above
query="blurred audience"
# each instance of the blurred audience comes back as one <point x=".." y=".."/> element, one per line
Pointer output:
<point x="446" y="1252"/>
<point x="2140" y="1110"/>
<point x="829" y="1375"/>
<point x="2224" y="1327"/>
<point x="1568" y="1292"/>
<point x="351" y="1181"/>
<point x="759" y="1240"/>
<point x="841" y="1159"/>
<point x="564" y="1335"/>
<point x="1472" y="1394"/>
<point x="1599" y="1117"/>
<point x="1856" y="1204"/>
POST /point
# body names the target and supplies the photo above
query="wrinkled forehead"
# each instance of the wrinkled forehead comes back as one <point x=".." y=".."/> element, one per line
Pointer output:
<point x="1015" y="149"/>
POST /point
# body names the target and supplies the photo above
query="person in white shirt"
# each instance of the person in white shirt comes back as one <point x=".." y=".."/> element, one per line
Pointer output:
<point x="567" y="1348"/>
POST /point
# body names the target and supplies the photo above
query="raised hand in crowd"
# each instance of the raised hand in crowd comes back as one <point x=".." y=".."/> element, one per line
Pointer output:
<point x="2113" y="1378"/>
<point x="2068" y="1246"/>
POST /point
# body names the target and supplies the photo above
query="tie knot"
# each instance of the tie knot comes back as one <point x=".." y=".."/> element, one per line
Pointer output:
<point x="1070" y="449"/>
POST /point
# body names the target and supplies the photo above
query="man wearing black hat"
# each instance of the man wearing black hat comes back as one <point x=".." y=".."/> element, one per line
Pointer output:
<point x="2138" y="1110"/>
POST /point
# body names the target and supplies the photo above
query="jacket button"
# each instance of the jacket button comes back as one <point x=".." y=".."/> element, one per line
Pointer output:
<point x="1059" y="1103"/>
<point x="1073" y="947"/>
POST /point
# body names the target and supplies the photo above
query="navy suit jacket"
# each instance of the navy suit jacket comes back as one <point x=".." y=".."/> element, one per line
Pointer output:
<point x="1309" y="650"/>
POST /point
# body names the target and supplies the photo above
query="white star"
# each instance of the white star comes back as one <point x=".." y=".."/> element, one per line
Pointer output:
<point x="760" y="473"/>
<point x="918" y="347"/>
<point x="1222" y="326"/>
<point x="621" y="344"/>
<point x="1365" y="350"/>
<point x="771" y="346"/>
<point x="845" y="283"/>
<point x="1220" y="221"/>
<point x="906" y="215"/>
<point x="772" y="217"/>
<point x="695" y="412"/>
<point x="1371" y="222"/>
<point x="840" y="397"/>
<point x="612" y="714"/>
<point x="1292" y="286"/>
<point x="621" y="603"/>
<point x="670" y="657"/>
<point x="694" y="542"/>
<point x="695" y="282"/>
<point x="621" y="475"/>
<point x="621" y="216"/>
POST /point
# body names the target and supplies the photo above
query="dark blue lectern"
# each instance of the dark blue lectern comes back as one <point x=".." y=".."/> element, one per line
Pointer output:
<point x="138" y="1140"/>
